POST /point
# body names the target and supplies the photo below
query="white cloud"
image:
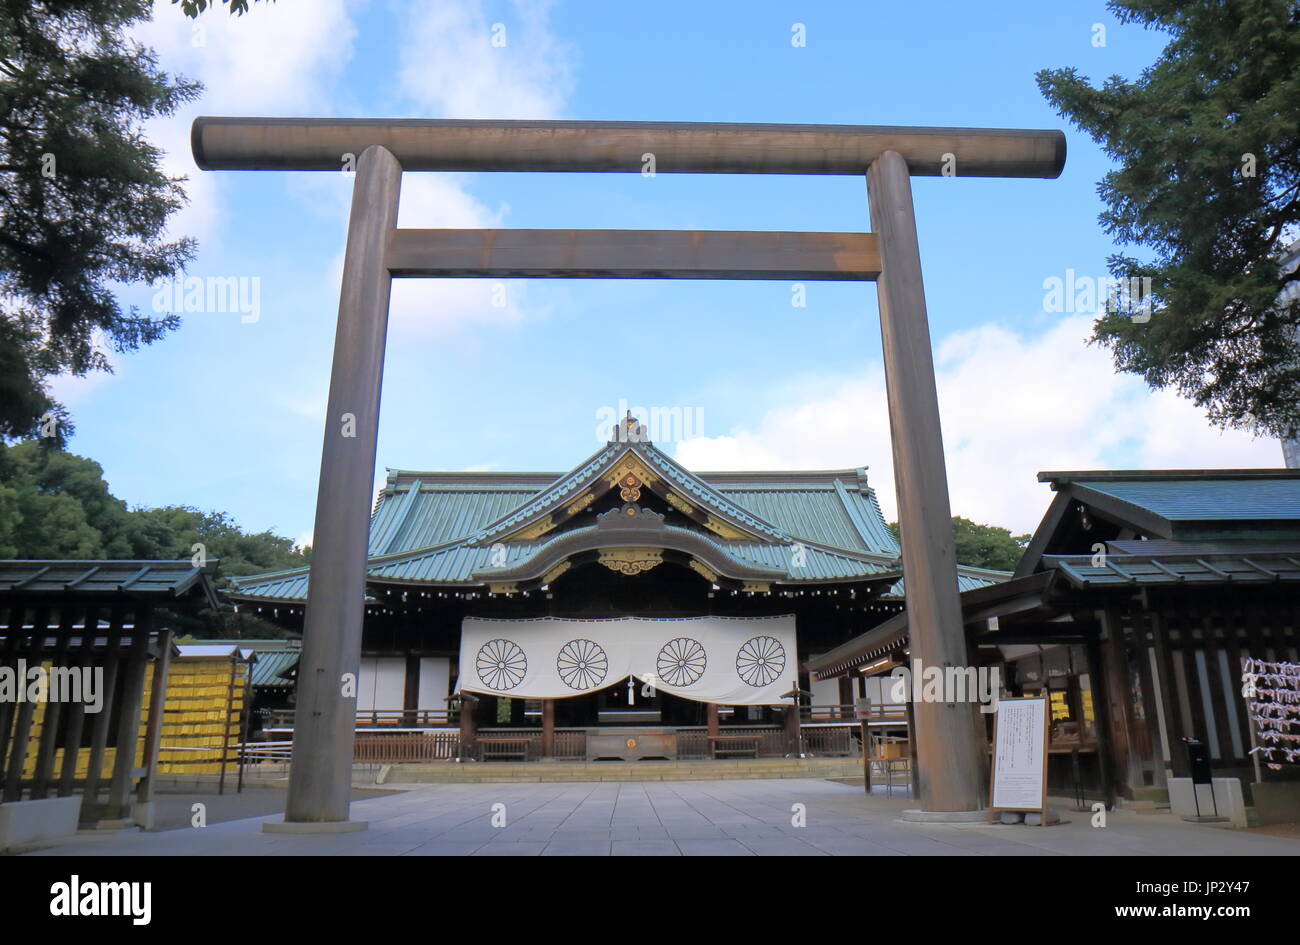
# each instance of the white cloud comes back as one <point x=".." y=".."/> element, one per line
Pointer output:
<point x="278" y="59"/>
<point x="450" y="66"/>
<point x="1011" y="405"/>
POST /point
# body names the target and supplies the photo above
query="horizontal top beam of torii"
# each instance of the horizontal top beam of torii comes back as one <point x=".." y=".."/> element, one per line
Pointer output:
<point x="419" y="144"/>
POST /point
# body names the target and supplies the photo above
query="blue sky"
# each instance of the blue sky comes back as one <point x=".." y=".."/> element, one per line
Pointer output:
<point x="227" y="414"/>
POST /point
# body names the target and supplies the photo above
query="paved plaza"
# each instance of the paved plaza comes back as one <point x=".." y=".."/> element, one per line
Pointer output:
<point x="684" y="818"/>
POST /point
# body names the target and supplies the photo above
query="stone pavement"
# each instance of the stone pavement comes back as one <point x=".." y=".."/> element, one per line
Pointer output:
<point x="693" y="818"/>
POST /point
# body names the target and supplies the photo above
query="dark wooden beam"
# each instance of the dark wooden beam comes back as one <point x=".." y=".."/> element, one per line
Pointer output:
<point x="633" y="254"/>
<point x="423" y="144"/>
<point x="90" y="812"/>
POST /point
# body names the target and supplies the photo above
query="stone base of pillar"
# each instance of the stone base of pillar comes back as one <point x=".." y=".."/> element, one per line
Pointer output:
<point x="115" y="825"/>
<point x="317" y="827"/>
<point x="143" y="814"/>
<point x="946" y="816"/>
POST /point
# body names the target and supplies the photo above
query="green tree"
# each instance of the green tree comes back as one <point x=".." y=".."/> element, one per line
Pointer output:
<point x="55" y="504"/>
<point x="61" y="505"/>
<point x="1207" y="141"/>
<point x="982" y="546"/>
<point x="83" y="199"/>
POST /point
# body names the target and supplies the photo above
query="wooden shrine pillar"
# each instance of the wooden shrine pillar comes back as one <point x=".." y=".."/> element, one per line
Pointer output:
<point x="1179" y="766"/>
<point x="53" y="711"/>
<point x="945" y="742"/>
<point x="793" y="742"/>
<point x="1102" y="720"/>
<point x="1150" y="699"/>
<point x="468" y="704"/>
<point x="1126" y="766"/>
<point x="143" y="812"/>
<point x="712" y="718"/>
<point x="19" y="743"/>
<point x="324" y="732"/>
<point x="9" y="652"/>
<point x="99" y="731"/>
<point x="548" y="728"/>
<point x="128" y="720"/>
<point x="411" y="690"/>
<point x="77" y="711"/>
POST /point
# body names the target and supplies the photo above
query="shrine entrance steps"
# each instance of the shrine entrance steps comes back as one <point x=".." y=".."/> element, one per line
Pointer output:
<point x="502" y="771"/>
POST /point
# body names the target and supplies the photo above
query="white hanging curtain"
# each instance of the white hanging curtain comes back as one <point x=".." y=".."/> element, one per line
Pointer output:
<point x="731" y="661"/>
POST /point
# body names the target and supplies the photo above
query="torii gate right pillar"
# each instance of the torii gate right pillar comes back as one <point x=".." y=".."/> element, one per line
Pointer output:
<point x="948" y="747"/>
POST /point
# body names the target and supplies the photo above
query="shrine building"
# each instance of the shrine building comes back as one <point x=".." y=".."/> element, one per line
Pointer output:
<point x="628" y="595"/>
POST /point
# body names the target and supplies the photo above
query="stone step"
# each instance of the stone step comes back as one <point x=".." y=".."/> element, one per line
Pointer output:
<point x="621" y="771"/>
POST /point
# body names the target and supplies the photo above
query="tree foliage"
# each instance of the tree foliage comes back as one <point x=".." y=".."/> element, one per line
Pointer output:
<point x="1207" y="141"/>
<point x="54" y="504"/>
<point x="83" y="199"/>
<point x="192" y="8"/>
<point x="983" y="546"/>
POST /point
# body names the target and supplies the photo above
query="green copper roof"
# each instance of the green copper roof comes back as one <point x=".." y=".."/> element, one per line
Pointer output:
<point x="441" y="527"/>
<point x="270" y="665"/>
<point x="967" y="580"/>
<point x="1185" y="570"/>
<point x="164" y="581"/>
<point x="1202" y="500"/>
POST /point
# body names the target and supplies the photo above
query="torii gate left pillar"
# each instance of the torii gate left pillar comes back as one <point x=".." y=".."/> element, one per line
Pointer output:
<point x="324" y="731"/>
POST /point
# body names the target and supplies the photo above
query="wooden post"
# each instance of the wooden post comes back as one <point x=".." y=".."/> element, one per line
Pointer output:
<point x="77" y="711"/>
<point x="99" y="732"/>
<point x="128" y="720"/>
<point x="13" y="784"/>
<point x="53" y="712"/>
<point x="866" y="755"/>
<point x="548" y="728"/>
<point x="468" y="703"/>
<point x="913" y="763"/>
<point x="1102" y="719"/>
<point x="792" y="723"/>
<point x="945" y="743"/>
<point x="1118" y="693"/>
<point x="320" y="778"/>
<point x="711" y="718"/>
<point x="153" y="730"/>
<point x="225" y="722"/>
<point x="1179" y="766"/>
<point x="1151" y="701"/>
<point x="9" y="658"/>
<point x="411" y="690"/>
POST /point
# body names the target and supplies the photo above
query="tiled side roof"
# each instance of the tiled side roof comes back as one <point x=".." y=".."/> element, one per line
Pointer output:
<point x="420" y="514"/>
<point x="269" y="667"/>
<point x="826" y="513"/>
<point x="1208" y="499"/>
<point x="168" y="580"/>
<point x="967" y="580"/>
<point x="1183" y="570"/>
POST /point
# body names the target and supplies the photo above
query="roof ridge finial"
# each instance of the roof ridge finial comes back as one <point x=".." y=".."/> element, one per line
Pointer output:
<point x="630" y="430"/>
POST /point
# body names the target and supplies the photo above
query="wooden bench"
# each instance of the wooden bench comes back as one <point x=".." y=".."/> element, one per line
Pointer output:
<point x="503" y="748"/>
<point x="743" y="745"/>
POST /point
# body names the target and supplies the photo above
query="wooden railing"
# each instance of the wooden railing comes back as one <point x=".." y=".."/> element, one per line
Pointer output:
<point x="847" y="713"/>
<point x="381" y="747"/>
<point x="836" y="740"/>
<point x="405" y="747"/>
<point x="693" y="744"/>
<point x="376" y="718"/>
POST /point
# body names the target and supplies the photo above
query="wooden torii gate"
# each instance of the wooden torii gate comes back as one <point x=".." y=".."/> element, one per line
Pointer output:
<point x="950" y="748"/>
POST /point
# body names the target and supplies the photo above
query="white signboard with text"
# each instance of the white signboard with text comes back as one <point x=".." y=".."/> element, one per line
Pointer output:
<point x="1020" y="754"/>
